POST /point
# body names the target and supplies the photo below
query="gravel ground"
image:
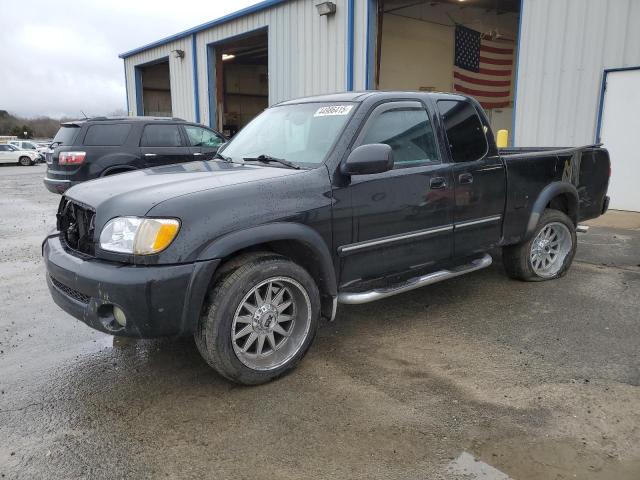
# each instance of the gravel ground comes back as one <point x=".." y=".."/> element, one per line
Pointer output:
<point x="479" y="377"/>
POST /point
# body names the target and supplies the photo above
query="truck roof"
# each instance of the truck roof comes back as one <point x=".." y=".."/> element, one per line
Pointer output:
<point x="360" y="96"/>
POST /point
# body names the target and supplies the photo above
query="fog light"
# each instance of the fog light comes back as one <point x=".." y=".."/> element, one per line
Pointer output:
<point x="120" y="317"/>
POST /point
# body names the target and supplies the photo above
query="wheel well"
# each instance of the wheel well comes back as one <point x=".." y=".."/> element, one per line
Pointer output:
<point x="567" y="204"/>
<point x="296" y="251"/>
<point x="116" y="170"/>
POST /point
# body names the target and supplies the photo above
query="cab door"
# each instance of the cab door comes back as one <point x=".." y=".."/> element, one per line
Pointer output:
<point x="479" y="178"/>
<point x="163" y="144"/>
<point x="402" y="218"/>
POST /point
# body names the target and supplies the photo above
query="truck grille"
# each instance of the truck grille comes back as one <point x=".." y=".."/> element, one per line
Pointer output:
<point x="76" y="226"/>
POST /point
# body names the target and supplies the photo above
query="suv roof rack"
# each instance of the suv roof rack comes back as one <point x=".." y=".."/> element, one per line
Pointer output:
<point x="132" y="118"/>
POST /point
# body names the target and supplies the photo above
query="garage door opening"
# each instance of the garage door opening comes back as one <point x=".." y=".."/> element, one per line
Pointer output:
<point x="242" y="82"/>
<point x="155" y="83"/>
<point x="448" y="45"/>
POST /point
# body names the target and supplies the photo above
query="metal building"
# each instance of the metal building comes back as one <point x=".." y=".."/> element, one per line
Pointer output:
<point x="565" y="52"/>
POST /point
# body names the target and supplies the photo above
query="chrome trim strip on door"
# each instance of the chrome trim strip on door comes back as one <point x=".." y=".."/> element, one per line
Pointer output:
<point x="346" y="249"/>
<point x="479" y="221"/>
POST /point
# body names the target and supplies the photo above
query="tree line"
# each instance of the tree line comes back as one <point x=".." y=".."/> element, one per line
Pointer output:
<point x="38" y="127"/>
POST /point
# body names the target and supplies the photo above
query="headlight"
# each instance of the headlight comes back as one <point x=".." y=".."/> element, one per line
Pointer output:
<point x="140" y="236"/>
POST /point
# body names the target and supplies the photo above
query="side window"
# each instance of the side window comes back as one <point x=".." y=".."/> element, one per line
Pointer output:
<point x="201" y="137"/>
<point x="465" y="133"/>
<point x="107" y="135"/>
<point x="161" y="136"/>
<point x="4" y="148"/>
<point x="407" y="130"/>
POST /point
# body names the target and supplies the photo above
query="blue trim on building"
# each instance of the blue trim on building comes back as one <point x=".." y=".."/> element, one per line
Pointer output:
<point x="515" y="80"/>
<point x="372" y="6"/>
<point x="350" y="38"/>
<point x="211" y="84"/>
<point x="196" y="93"/>
<point x="603" y="89"/>
<point x="126" y="87"/>
<point x="138" y="81"/>
<point x="258" y="7"/>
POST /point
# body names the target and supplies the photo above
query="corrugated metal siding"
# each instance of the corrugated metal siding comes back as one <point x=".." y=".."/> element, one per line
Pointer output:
<point x="307" y="52"/>
<point x="565" y="45"/>
<point x="181" y="76"/>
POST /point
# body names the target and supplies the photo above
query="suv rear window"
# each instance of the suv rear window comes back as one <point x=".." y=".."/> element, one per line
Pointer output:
<point x="107" y="135"/>
<point x="66" y="135"/>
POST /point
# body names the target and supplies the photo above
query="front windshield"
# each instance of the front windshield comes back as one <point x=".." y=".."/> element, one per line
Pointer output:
<point x="302" y="133"/>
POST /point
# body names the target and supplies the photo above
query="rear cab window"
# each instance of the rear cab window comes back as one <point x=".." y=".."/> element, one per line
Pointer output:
<point x="107" y="135"/>
<point x="464" y="130"/>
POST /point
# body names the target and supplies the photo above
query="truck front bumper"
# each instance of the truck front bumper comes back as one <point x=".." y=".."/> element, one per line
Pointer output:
<point x="164" y="300"/>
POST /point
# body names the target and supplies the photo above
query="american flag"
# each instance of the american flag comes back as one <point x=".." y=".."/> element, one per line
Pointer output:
<point x="483" y="67"/>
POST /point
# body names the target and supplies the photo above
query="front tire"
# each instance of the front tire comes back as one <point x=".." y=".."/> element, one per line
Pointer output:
<point x="25" y="161"/>
<point x="259" y="320"/>
<point x="548" y="254"/>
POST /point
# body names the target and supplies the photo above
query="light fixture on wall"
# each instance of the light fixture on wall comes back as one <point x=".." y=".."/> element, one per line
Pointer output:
<point x="178" y="53"/>
<point x="326" y="8"/>
<point x="228" y="56"/>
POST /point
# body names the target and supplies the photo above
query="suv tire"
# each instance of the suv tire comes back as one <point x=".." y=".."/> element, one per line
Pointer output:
<point x="259" y="319"/>
<point x="549" y="252"/>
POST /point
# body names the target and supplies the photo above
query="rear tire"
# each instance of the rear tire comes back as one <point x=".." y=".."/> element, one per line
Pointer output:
<point x="549" y="252"/>
<point x="259" y="320"/>
<point x="25" y="161"/>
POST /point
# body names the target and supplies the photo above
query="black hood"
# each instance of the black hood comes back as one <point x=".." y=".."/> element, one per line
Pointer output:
<point x="136" y="193"/>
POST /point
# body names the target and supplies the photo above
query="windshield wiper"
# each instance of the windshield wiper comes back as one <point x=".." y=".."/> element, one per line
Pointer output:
<point x="270" y="159"/>
<point x="222" y="157"/>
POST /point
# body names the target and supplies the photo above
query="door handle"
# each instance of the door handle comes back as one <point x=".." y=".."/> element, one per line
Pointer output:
<point x="437" y="183"/>
<point x="465" y="179"/>
<point x="198" y="154"/>
<point x="150" y="154"/>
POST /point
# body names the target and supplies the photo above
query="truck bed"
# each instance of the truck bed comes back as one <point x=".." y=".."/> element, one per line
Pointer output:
<point x="531" y="169"/>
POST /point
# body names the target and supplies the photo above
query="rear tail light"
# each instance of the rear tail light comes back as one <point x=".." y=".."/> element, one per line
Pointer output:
<point x="71" y="158"/>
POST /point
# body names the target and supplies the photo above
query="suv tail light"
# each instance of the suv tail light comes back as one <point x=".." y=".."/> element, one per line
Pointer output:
<point x="71" y="158"/>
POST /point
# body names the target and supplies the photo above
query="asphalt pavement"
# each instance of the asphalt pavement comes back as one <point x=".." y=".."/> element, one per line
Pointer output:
<point x="479" y="377"/>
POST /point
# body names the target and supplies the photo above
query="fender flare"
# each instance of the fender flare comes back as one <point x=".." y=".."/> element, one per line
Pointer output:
<point x="241" y="239"/>
<point x="547" y="194"/>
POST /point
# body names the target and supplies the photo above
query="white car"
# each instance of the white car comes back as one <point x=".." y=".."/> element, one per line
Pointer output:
<point x="29" y="145"/>
<point x="12" y="154"/>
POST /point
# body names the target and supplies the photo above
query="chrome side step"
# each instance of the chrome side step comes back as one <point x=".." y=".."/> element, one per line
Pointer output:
<point x="582" y="228"/>
<point x="355" y="298"/>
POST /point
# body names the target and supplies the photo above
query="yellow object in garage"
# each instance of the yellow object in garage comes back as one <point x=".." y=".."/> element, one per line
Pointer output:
<point x="502" y="138"/>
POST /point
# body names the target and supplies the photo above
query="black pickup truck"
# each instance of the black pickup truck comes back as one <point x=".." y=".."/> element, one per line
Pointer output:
<point x="345" y="198"/>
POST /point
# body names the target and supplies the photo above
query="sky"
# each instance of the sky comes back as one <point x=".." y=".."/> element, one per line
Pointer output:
<point x="60" y="58"/>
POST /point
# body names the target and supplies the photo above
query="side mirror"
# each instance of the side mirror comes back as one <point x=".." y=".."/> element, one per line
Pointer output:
<point x="368" y="159"/>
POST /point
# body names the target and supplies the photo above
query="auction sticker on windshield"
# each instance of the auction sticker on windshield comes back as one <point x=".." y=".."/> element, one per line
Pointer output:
<point x="333" y="110"/>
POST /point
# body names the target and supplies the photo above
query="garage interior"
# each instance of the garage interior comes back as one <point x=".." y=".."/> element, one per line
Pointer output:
<point x="156" y="89"/>
<point x="416" y="48"/>
<point x="242" y="81"/>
